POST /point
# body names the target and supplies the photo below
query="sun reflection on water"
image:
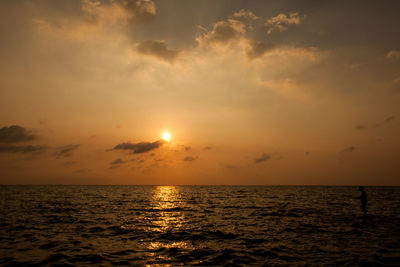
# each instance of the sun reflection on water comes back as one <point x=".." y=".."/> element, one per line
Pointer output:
<point x="166" y="200"/>
<point x="168" y="217"/>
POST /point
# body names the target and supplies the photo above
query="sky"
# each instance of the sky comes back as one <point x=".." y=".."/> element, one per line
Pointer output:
<point x="251" y="92"/>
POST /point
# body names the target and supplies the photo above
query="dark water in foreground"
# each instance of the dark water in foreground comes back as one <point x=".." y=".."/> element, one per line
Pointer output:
<point x="198" y="225"/>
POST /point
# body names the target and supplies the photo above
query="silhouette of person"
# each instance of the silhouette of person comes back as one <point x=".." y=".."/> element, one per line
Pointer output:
<point x="363" y="199"/>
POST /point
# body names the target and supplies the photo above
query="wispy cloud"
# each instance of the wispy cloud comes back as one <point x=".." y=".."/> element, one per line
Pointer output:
<point x="350" y="149"/>
<point x="118" y="161"/>
<point x="376" y="125"/>
<point x="66" y="151"/>
<point x="189" y="158"/>
<point x="361" y="127"/>
<point x="262" y="158"/>
<point x="386" y="121"/>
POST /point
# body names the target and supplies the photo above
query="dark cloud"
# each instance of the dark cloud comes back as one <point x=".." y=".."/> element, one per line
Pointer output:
<point x="15" y="134"/>
<point x="188" y="158"/>
<point x="350" y="149"/>
<point x="158" y="49"/>
<point x="207" y="148"/>
<point x="307" y="153"/>
<point x="262" y="158"/>
<point x="188" y="148"/>
<point x="118" y="162"/>
<point x="141" y="147"/>
<point x="66" y="151"/>
<point x="258" y="49"/>
<point x="22" y="149"/>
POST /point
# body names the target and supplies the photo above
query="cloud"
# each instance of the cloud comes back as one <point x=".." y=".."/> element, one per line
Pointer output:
<point x="223" y="32"/>
<point x="118" y="161"/>
<point x="361" y="127"/>
<point x="393" y="54"/>
<point x="281" y="22"/>
<point x="262" y="158"/>
<point x="258" y="49"/>
<point x="22" y="149"/>
<point x="246" y="14"/>
<point x="141" y="147"/>
<point x="15" y="134"/>
<point x="207" y="148"/>
<point x="188" y="148"/>
<point x="66" y="151"/>
<point x="376" y="125"/>
<point x="307" y="153"/>
<point x="350" y="149"/>
<point x="231" y="166"/>
<point x="98" y="15"/>
<point x="139" y="11"/>
<point x="386" y="121"/>
<point x="188" y="158"/>
<point x="158" y="49"/>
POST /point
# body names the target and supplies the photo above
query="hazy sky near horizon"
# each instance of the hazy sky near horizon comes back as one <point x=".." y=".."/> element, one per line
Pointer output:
<point x="252" y="92"/>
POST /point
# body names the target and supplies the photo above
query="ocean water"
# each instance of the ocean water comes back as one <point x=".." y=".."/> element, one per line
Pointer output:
<point x="198" y="225"/>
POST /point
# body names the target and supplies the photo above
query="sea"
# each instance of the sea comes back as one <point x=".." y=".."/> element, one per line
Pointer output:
<point x="198" y="225"/>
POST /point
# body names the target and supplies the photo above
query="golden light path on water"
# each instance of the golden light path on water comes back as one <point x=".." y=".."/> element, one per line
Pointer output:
<point x="166" y="199"/>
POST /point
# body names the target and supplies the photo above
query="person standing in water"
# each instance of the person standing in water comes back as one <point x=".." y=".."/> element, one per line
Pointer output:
<point x="363" y="199"/>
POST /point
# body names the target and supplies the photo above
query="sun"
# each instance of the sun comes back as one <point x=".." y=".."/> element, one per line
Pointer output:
<point x="166" y="136"/>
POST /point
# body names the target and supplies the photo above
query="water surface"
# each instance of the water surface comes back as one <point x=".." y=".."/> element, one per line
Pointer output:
<point x="198" y="225"/>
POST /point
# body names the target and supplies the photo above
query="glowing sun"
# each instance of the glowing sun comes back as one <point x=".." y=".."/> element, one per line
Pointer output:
<point x="166" y="136"/>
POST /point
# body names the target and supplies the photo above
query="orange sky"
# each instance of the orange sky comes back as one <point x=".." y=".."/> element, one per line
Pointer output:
<point x="252" y="92"/>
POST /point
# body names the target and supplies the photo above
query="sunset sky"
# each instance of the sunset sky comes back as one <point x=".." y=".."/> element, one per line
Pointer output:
<point x="251" y="92"/>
